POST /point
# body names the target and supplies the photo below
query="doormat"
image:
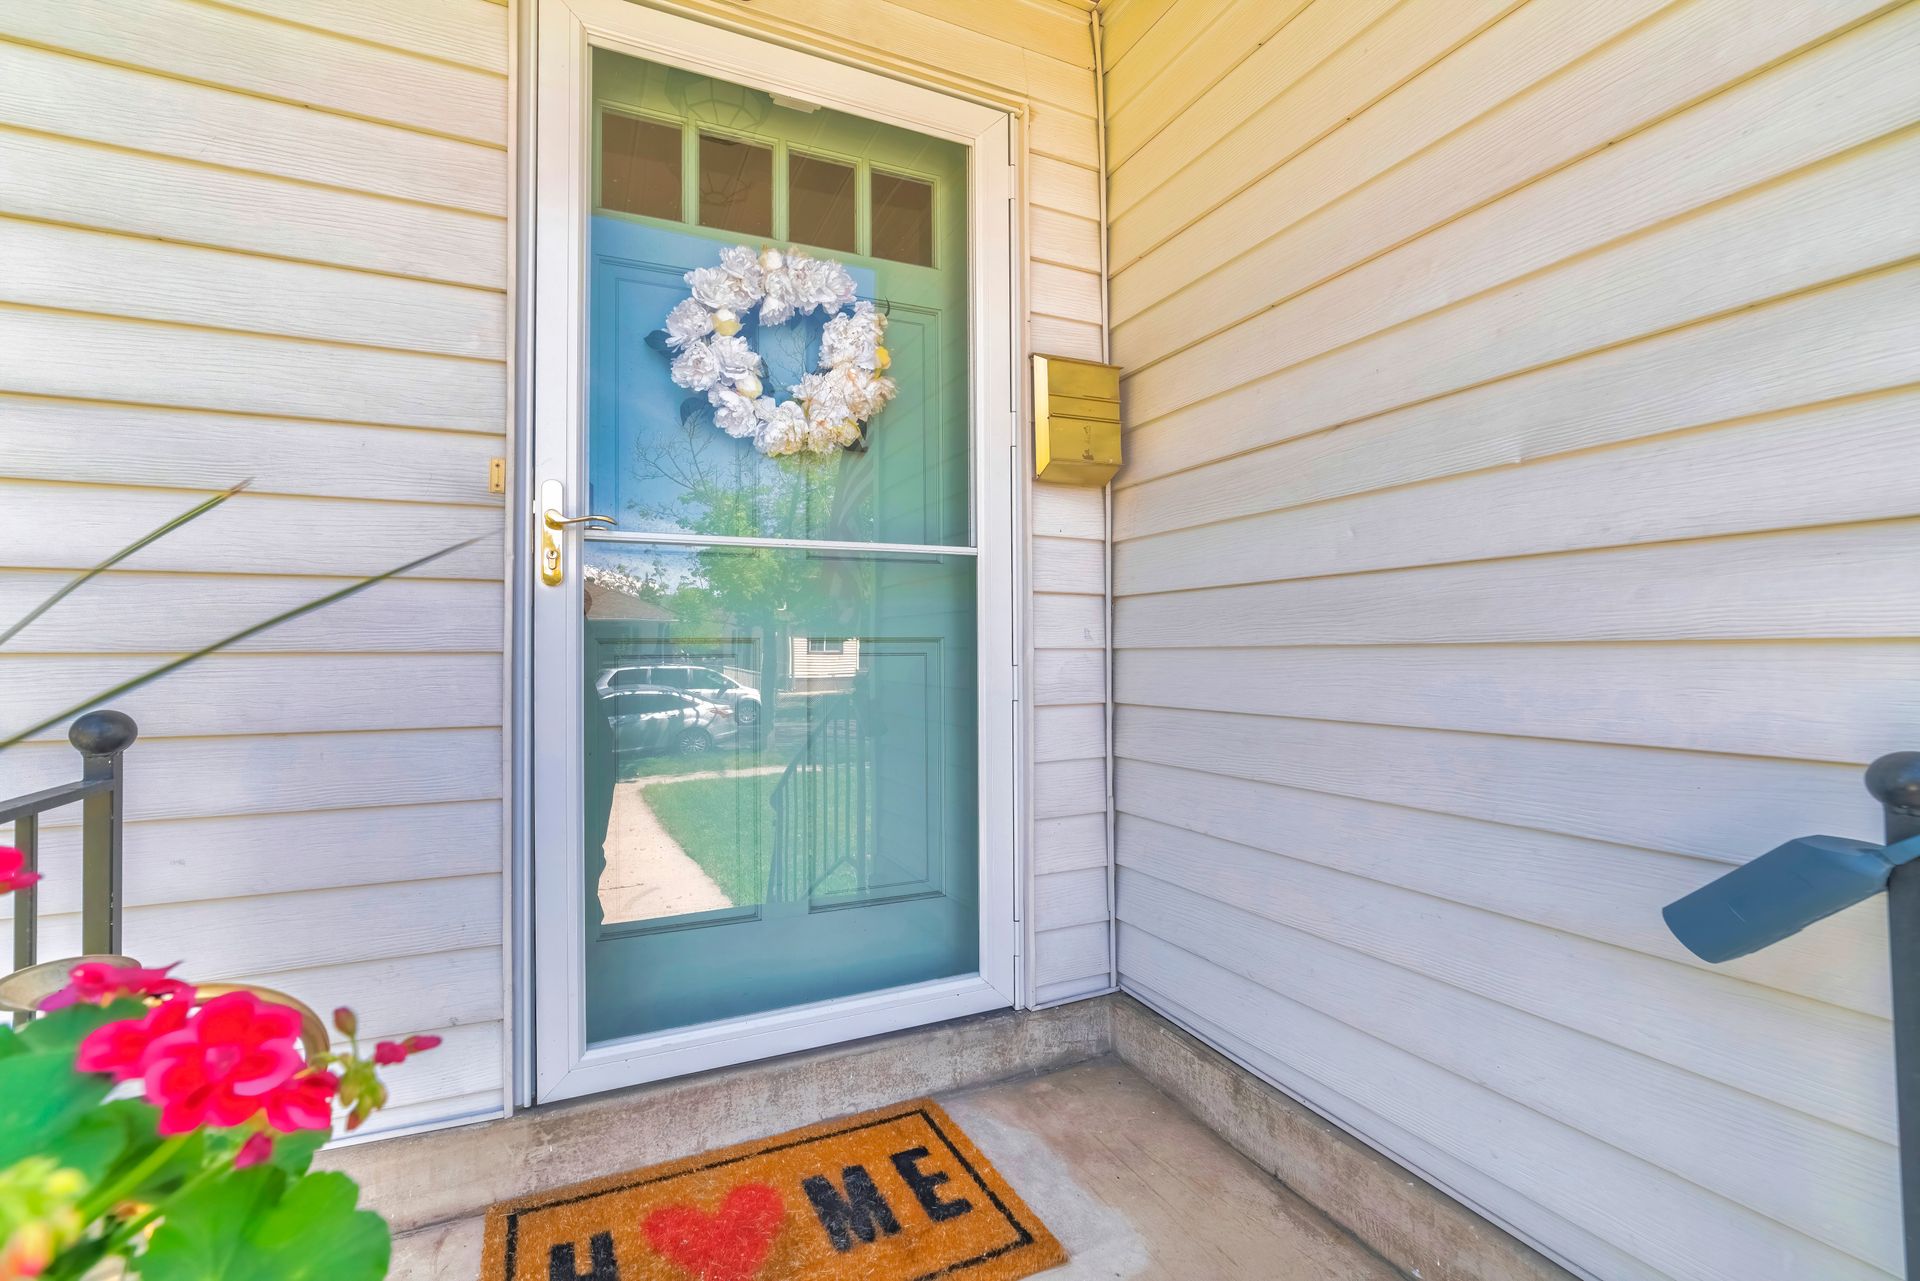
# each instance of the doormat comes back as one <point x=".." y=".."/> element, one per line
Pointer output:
<point x="900" y="1194"/>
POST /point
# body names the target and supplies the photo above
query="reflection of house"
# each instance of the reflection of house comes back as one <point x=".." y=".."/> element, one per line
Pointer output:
<point x="607" y="605"/>
<point x="824" y="657"/>
<point x="623" y="627"/>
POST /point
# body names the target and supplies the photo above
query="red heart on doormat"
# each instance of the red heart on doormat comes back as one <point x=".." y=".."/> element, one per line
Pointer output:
<point x="731" y="1244"/>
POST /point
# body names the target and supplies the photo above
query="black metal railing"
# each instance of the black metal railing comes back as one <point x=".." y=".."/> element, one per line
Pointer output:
<point x="823" y="807"/>
<point x="100" y="738"/>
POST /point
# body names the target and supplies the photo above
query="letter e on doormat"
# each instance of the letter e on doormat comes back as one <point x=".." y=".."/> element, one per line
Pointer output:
<point x="900" y="1194"/>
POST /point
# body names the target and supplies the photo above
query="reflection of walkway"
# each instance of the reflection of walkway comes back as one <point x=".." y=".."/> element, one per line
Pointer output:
<point x="648" y="875"/>
<point x="710" y="773"/>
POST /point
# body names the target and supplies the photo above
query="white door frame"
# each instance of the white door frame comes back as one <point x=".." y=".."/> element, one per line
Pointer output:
<point x="565" y="31"/>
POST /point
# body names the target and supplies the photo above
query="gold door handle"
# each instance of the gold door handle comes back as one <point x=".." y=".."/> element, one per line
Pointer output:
<point x="556" y="521"/>
<point x="551" y="525"/>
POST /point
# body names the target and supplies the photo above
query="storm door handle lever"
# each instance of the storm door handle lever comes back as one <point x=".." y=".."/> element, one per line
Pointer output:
<point x="556" y="521"/>
<point x="551" y="553"/>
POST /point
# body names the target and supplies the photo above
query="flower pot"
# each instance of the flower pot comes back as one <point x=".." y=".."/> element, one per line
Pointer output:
<point x="23" y="990"/>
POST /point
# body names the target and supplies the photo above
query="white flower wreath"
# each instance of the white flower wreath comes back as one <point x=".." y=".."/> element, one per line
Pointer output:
<point x="832" y="404"/>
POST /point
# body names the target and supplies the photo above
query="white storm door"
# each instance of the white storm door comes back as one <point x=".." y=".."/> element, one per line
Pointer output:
<point x="773" y="728"/>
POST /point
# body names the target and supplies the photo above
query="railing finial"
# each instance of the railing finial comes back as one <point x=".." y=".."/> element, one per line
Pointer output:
<point x="103" y="733"/>
<point x="1894" y="780"/>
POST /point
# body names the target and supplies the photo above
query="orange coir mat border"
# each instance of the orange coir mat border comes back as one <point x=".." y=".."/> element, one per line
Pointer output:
<point x="1034" y="1250"/>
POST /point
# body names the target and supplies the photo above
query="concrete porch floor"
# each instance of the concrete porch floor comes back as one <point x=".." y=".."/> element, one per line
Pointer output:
<point x="1130" y="1181"/>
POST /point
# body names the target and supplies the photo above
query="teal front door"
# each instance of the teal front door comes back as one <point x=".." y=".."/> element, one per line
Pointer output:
<point x="779" y="658"/>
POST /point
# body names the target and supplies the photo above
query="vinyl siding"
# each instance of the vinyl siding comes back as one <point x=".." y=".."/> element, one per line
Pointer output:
<point x="268" y="240"/>
<point x="1507" y="547"/>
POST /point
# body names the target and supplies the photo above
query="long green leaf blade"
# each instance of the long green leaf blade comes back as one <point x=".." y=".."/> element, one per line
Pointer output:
<point x="132" y="547"/>
<point x="286" y="617"/>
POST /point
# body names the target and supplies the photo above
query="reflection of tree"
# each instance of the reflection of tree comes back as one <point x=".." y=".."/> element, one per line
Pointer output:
<point x="727" y="489"/>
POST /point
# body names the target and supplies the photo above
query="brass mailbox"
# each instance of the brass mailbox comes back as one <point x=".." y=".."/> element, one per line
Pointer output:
<point x="1076" y="420"/>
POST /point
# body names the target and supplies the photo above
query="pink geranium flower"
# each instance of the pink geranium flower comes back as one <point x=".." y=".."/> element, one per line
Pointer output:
<point x="213" y="1067"/>
<point x="257" y="1148"/>
<point x="13" y="873"/>
<point x="304" y="1103"/>
<point x="218" y="1068"/>
<point x="122" y="1048"/>
<point x="97" y="983"/>
<point x="388" y="1053"/>
<point x="223" y="1065"/>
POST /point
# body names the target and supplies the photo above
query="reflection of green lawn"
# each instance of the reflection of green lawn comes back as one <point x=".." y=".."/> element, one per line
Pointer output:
<point x="718" y="759"/>
<point x="724" y="824"/>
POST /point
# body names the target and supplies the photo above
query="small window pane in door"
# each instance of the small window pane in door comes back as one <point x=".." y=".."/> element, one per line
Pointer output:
<point x="820" y="202"/>
<point x="902" y="219"/>
<point x="639" y="166"/>
<point x="736" y="186"/>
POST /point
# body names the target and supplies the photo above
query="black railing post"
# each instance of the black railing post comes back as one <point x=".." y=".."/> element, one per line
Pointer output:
<point x="101" y="737"/>
<point x="1895" y="782"/>
<point x="26" y="902"/>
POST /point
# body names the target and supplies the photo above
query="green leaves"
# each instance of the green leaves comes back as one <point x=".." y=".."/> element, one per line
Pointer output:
<point x="94" y="1143"/>
<point x="261" y="1225"/>
<point x="204" y="1236"/>
<point x="294" y="1152"/>
<point x="274" y="1221"/>
<point x="315" y="1232"/>
<point x="41" y="1096"/>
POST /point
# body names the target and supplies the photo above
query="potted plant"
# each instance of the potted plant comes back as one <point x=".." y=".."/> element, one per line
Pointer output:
<point x="151" y="1128"/>
<point x="154" y="1127"/>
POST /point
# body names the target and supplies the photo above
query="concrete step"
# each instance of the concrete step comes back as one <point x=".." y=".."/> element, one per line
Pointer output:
<point x="1129" y="1181"/>
<point x="1148" y="1153"/>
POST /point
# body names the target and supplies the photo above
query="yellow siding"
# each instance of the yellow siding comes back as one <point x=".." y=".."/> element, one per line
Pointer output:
<point x="1508" y="545"/>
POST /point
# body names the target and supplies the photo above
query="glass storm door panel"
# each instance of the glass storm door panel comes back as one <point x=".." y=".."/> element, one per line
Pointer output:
<point x="780" y="656"/>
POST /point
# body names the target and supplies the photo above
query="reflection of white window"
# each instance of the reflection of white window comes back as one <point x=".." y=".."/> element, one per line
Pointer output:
<point x="828" y="658"/>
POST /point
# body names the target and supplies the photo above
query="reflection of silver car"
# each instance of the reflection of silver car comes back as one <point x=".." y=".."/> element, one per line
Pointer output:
<point x="706" y="683"/>
<point x="650" y="721"/>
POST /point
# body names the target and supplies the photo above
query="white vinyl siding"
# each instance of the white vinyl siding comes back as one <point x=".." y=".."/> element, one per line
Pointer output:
<point x="1512" y="539"/>
<point x="268" y="240"/>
